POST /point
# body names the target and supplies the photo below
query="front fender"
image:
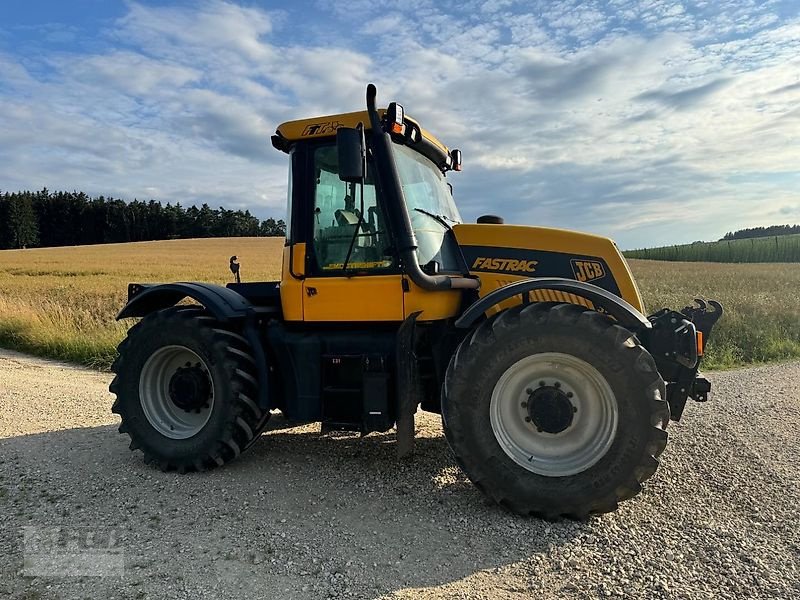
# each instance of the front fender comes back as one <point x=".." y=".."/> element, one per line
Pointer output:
<point x="223" y="303"/>
<point x="625" y="314"/>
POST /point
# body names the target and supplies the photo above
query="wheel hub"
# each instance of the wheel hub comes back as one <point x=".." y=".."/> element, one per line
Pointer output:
<point x="550" y="409"/>
<point x="553" y="414"/>
<point x="190" y="388"/>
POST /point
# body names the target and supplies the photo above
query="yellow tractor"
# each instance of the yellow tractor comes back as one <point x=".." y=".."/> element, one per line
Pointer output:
<point x="555" y="389"/>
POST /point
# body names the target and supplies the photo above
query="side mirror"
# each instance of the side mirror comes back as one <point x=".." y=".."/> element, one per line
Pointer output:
<point x="351" y="148"/>
<point x="455" y="156"/>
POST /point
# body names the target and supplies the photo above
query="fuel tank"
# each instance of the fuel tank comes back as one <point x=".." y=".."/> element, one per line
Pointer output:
<point x="503" y="254"/>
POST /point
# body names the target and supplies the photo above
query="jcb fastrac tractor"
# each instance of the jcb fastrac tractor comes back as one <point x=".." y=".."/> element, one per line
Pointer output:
<point x="555" y="389"/>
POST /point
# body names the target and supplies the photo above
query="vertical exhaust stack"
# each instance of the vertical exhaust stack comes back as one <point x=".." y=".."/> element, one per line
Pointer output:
<point x="397" y="213"/>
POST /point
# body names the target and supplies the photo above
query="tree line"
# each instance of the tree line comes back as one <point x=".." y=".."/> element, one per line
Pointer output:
<point x="758" y="232"/>
<point x="44" y="219"/>
<point x="774" y="249"/>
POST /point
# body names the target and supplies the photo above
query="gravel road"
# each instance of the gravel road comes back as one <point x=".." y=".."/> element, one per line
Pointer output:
<point x="303" y="515"/>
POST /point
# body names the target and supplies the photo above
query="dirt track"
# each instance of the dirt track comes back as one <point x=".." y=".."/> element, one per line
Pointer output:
<point x="308" y="516"/>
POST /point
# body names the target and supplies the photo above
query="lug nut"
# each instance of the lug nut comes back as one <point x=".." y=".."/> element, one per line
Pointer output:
<point x="574" y="409"/>
<point x="557" y="384"/>
<point x="524" y="405"/>
<point x="569" y="394"/>
<point x="527" y="419"/>
<point x="529" y="391"/>
<point x="542" y="384"/>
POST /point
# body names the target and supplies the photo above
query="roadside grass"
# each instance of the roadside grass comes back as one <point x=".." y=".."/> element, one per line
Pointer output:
<point x="61" y="302"/>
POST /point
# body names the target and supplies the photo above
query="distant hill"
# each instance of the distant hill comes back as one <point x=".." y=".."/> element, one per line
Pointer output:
<point x="784" y="248"/>
<point x="759" y="232"/>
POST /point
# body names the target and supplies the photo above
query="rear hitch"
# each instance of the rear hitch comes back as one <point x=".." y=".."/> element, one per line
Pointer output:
<point x="694" y="386"/>
<point x="704" y="316"/>
<point x="700" y="389"/>
<point x="677" y="342"/>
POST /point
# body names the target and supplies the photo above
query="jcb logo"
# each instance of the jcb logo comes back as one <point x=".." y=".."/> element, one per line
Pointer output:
<point x="587" y="270"/>
<point x="322" y="128"/>
<point x="504" y="264"/>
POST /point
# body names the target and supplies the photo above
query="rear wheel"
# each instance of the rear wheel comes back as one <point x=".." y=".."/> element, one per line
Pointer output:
<point x="186" y="390"/>
<point x="555" y="410"/>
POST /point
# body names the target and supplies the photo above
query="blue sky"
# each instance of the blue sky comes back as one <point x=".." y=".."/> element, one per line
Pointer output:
<point x="650" y="121"/>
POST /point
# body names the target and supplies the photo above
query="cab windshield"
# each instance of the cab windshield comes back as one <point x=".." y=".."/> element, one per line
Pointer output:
<point x="430" y="207"/>
<point x="424" y="185"/>
<point x="351" y="232"/>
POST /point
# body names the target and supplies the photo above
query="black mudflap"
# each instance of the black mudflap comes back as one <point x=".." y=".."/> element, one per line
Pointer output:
<point x="408" y="387"/>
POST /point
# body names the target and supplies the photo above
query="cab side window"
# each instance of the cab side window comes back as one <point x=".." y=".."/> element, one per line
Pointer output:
<point x="343" y="224"/>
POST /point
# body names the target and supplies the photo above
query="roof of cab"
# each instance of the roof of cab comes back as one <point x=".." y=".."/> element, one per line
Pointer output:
<point x="321" y="127"/>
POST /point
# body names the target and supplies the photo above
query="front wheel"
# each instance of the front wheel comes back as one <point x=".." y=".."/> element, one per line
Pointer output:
<point x="555" y="410"/>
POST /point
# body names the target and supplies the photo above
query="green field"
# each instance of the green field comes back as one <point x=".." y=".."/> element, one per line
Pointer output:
<point x="776" y="249"/>
<point x="61" y="302"/>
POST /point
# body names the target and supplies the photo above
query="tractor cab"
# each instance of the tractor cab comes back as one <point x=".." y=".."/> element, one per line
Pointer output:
<point x="343" y="229"/>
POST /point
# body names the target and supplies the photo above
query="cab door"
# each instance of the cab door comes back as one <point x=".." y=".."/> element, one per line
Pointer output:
<point x="351" y="275"/>
<point x="359" y="298"/>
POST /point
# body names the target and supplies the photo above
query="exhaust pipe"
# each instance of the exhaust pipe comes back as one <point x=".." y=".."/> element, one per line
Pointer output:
<point x="398" y="215"/>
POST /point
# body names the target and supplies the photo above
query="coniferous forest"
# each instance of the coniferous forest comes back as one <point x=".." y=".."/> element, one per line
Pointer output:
<point x="45" y="219"/>
<point x="757" y="232"/>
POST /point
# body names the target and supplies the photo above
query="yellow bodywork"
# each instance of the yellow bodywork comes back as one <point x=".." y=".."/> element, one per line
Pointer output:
<point x="363" y="298"/>
<point x="578" y="246"/>
<point x="382" y="298"/>
<point x="322" y="127"/>
<point x="292" y="273"/>
<point x="497" y="254"/>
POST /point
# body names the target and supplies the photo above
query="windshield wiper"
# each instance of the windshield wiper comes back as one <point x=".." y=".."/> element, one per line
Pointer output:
<point x="439" y="218"/>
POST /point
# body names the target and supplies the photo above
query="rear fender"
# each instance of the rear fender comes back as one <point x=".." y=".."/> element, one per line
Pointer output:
<point x="224" y="304"/>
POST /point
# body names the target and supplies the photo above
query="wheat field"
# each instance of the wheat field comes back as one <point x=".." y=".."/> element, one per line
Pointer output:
<point x="61" y="302"/>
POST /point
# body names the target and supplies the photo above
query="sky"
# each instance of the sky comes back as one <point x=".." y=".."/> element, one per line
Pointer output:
<point x="650" y="121"/>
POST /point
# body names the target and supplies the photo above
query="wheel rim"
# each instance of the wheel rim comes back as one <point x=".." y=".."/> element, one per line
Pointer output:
<point x="554" y="414"/>
<point x="176" y="392"/>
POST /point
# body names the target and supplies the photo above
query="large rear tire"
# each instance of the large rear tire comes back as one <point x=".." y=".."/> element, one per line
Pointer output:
<point x="554" y="410"/>
<point x="186" y="390"/>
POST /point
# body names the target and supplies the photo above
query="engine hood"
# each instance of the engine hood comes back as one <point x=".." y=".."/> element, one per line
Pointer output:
<point x="501" y="254"/>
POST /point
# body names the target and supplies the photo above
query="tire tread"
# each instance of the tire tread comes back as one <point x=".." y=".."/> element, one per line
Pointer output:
<point x="247" y="419"/>
<point x="467" y="360"/>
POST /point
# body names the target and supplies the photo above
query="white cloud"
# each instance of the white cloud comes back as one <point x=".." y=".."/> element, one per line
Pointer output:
<point x="212" y="25"/>
<point x="128" y="72"/>
<point x="388" y="24"/>
<point x="653" y="120"/>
